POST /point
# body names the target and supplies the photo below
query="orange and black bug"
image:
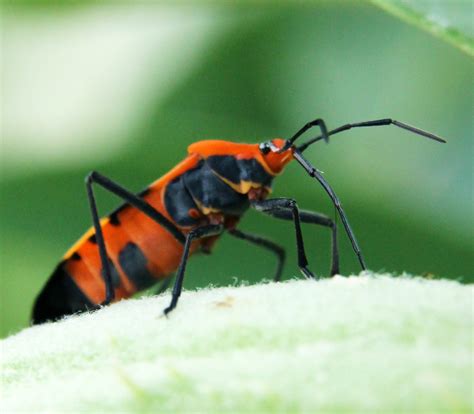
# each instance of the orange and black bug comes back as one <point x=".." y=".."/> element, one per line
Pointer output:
<point x="152" y="234"/>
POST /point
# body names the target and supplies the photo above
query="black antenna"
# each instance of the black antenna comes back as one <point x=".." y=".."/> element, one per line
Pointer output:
<point x="317" y="122"/>
<point x="378" y="122"/>
<point x="313" y="172"/>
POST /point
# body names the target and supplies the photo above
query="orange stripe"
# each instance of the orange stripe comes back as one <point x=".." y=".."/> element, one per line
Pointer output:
<point x="82" y="276"/>
<point x="75" y="247"/>
<point x="159" y="246"/>
<point x="218" y="147"/>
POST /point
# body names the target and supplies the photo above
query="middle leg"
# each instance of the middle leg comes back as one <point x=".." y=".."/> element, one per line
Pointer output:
<point x="197" y="233"/>
<point x="274" y="205"/>
<point x="312" y="217"/>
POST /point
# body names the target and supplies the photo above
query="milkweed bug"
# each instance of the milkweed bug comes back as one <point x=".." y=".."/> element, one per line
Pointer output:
<point x="153" y="233"/>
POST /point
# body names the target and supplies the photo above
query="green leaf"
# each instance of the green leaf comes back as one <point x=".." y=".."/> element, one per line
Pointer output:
<point x="448" y="20"/>
<point x="353" y="345"/>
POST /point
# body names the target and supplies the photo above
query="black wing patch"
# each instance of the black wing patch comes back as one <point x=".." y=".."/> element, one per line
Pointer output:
<point x="204" y="186"/>
<point x="178" y="202"/>
<point x="237" y="170"/>
<point x="211" y="192"/>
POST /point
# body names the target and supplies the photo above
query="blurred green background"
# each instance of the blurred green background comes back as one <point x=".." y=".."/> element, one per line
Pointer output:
<point x="125" y="89"/>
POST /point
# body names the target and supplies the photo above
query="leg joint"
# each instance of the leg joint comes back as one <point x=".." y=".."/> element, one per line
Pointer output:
<point x="91" y="177"/>
<point x="292" y="203"/>
<point x="210" y="230"/>
<point x="318" y="121"/>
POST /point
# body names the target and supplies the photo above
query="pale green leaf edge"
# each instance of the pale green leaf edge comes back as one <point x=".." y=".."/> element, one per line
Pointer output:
<point x="448" y="34"/>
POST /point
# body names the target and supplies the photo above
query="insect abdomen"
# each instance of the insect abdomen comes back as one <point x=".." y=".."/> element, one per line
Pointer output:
<point x="60" y="296"/>
<point x="140" y="252"/>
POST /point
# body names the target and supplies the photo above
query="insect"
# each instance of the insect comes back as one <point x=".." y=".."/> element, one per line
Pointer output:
<point x="152" y="234"/>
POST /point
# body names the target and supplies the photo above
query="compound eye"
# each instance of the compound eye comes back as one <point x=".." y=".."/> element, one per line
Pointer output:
<point x="265" y="147"/>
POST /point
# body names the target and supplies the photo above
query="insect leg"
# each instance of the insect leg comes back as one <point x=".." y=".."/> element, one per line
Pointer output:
<point x="197" y="233"/>
<point x="106" y="273"/>
<point x="313" y="172"/>
<point x="271" y="206"/>
<point x="135" y="201"/>
<point x="267" y="244"/>
<point x="312" y="217"/>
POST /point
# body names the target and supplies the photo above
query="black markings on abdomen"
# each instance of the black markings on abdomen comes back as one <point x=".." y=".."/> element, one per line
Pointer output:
<point x="113" y="219"/>
<point x="133" y="263"/>
<point x="61" y="296"/>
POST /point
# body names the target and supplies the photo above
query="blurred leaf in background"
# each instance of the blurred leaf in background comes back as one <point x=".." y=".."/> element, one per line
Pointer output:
<point x="448" y="20"/>
<point x="125" y="89"/>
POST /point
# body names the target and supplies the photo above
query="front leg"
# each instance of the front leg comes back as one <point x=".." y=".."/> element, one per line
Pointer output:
<point x="197" y="233"/>
<point x="274" y="205"/>
<point x="312" y="217"/>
